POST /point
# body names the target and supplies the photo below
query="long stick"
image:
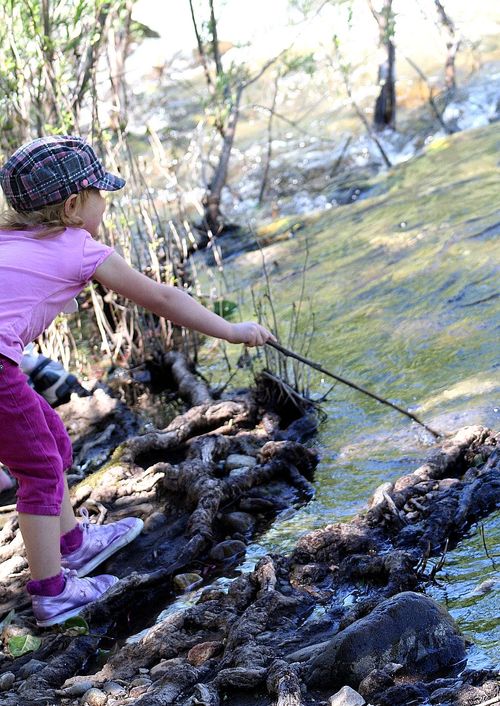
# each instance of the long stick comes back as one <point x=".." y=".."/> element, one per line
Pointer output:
<point x="316" y="366"/>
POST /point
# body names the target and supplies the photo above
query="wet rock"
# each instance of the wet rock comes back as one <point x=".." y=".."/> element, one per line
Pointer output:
<point x="468" y="695"/>
<point x="94" y="697"/>
<point x="484" y="587"/>
<point x="227" y="551"/>
<point x="306" y="653"/>
<point x="256" y="505"/>
<point x="410" y="629"/>
<point x="377" y="681"/>
<point x="444" y="695"/>
<point x="238" y="472"/>
<point x="31" y="667"/>
<point x="154" y="522"/>
<point x="6" y="681"/>
<point x="404" y="694"/>
<point x="239" y="461"/>
<point x="239" y="522"/>
<point x="204" y="651"/>
<point x="186" y="582"/>
<point x="346" y="697"/>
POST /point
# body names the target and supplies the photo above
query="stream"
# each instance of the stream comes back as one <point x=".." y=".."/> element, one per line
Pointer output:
<point x="405" y="293"/>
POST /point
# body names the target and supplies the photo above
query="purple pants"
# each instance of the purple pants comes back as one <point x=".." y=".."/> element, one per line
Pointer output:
<point x="34" y="444"/>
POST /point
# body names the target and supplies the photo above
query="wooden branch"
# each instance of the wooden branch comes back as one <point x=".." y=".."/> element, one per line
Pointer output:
<point x="201" y="51"/>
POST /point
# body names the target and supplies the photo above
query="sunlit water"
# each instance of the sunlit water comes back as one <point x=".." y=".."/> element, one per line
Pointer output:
<point x="405" y="292"/>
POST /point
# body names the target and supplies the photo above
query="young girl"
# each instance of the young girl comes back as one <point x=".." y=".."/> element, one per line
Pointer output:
<point x="47" y="255"/>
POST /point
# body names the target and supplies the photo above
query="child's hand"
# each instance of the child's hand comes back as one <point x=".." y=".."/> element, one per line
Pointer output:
<point x="250" y="333"/>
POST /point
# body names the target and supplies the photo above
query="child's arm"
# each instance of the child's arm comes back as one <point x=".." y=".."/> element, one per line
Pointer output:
<point x="175" y="304"/>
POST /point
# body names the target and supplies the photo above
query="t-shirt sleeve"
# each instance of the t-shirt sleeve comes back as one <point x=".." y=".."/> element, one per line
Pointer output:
<point x="94" y="254"/>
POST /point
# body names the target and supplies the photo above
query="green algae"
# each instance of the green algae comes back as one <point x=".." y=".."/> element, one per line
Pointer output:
<point x="405" y="293"/>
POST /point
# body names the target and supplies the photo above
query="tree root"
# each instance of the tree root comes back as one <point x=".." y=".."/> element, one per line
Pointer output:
<point x="249" y="641"/>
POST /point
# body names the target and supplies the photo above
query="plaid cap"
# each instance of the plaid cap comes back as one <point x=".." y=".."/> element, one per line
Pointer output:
<point x="49" y="169"/>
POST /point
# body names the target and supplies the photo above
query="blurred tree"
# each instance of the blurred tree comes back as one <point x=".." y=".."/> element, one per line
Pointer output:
<point x="225" y="85"/>
<point x="453" y="42"/>
<point x="385" y="105"/>
<point x="50" y="54"/>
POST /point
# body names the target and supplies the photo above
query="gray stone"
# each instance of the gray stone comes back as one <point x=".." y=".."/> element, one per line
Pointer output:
<point x="409" y="629"/>
<point x="257" y="505"/>
<point x="31" y="667"/>
<point x="378" y="680"/>
<point x="154" y="521"/>
<point x="112" y="688"/>
<point x="94" y="697"/>
<point x="404" y="694"/>
<point x="227" y="551"/>
<point x="137" y="691"/>
<point x="306" y="653"/>
<point x="6" y="681"/>
<point x="239" y="461"/>
<point x="239" y="521"/>
<point x="141" y="681"/>
<point x="346" y="697"/>
<point x="76" y="686"/>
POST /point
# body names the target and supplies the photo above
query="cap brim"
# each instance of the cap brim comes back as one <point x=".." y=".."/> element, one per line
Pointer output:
<point x="109" y="182"/>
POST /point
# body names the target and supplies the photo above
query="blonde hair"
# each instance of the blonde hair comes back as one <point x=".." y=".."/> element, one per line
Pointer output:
<point x="51" y="220"/>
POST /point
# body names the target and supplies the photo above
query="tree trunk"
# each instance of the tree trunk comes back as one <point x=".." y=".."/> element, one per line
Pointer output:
<point x="452" y="46"/>
<point x="211" y="201"/>
<point x="385" y="105"/>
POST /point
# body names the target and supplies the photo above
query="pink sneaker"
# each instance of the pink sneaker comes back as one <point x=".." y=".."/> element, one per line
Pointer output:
<point x="77" y="593"/>
<point x="100" y="542"/>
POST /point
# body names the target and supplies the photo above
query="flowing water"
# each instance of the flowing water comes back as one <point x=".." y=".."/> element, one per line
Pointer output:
<point x="405" y="290"/>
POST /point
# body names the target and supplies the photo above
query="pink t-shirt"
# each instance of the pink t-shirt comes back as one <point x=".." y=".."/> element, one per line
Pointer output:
<point x="38" y="277"/>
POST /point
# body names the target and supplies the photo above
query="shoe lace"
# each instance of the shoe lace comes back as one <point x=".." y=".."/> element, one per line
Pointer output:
<point x="86" y="525"/>
<point x="82" y="585"/>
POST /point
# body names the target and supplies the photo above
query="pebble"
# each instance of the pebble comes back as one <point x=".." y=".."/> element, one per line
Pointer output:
<point x="31" y="667"/>
<point x="162" y="667"/>
<point x="203" y="651"/>
<point x="239" y="521"/>
<point x="141" y="681"/>
<point x="238" y="472"/>
<point x="94" y="697"/>
<point x="239" y="461"/>
<point x="111" y="688"/>
<point x="256" y="505"/>
<point x="6" y="681"/>
<point x="159" y="669"/>
<point x="154" y="522"/>
<point x="77" y="688"/>
<point x="185" y="582"/>
<point x="230" y="549"/>
<point x="137" y="691"/>
<point x="346" y="697"/>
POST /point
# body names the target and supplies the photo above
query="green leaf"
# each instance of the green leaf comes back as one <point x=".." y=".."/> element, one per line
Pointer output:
<point x="224" y="308"/>
<point x="76" y="626"/>
<point x="22" y="644"/>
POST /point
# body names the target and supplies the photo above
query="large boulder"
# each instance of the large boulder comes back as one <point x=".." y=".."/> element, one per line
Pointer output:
<point x="409" y="629"/>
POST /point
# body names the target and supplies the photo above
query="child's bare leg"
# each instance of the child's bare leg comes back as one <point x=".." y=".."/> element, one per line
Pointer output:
<point x="41" y="535"/>
<point x="68" y="520"/>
